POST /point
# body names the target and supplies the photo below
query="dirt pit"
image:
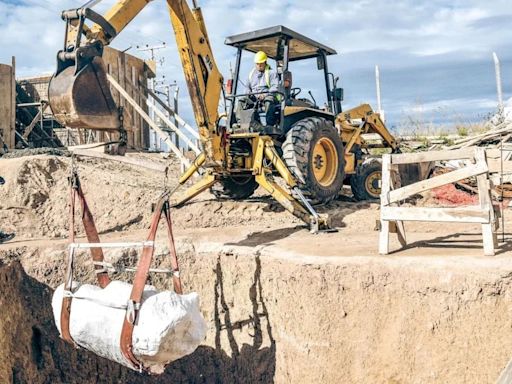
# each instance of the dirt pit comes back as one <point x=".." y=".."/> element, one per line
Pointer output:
<point x="282" y="305"/>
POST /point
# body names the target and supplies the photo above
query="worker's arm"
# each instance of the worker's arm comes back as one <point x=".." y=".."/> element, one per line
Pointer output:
<point x="248" y="86"/>
<point x="274" y="82"/>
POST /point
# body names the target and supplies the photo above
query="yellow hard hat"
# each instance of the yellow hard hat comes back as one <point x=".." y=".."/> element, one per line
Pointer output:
<point x="260" y="57"/>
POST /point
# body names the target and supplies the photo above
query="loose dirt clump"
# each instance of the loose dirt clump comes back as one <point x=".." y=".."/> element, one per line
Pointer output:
<point x="36" y="196"/>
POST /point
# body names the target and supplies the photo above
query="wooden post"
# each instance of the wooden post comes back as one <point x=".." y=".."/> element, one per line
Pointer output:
<point x="385" y="189"/>
<point x="392" y="216"/>
<point x="484" y="197"/>
<point x="12" y="137"/>
<point x="8" y="104"/>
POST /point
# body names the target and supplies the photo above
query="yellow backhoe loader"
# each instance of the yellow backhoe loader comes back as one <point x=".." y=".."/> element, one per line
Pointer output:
<point x="240" y="150"/>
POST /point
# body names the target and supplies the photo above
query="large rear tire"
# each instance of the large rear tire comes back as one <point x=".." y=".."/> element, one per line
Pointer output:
<point x="365" y="183"/>
<point x="235" y="187"/>
<point x="313" y="151"/>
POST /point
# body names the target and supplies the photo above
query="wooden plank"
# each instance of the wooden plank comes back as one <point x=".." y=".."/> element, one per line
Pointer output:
<point x="484" y="197"/>
<point x="399" y="225"/>
<point x="155" y="97"/>
<point x="171" y="125"/>
<point x="423" y="157"/>
<point x="29" y="129"/>
<point x="450" y="215"/>
<point x="121" y="159"/>
<point x="497" y="153"/>
<point x="385" y="189"/>
<point x="495" y="166"/>
<point x="438" y="181"/>
<point x="148" y="120"/>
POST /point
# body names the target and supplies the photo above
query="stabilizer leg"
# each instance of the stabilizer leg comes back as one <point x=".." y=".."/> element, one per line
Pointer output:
<point x="301" y="209"/>
<point x="202" y="185"/>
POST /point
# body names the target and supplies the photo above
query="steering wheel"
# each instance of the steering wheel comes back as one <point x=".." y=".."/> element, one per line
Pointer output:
<point x="294" y="92"/>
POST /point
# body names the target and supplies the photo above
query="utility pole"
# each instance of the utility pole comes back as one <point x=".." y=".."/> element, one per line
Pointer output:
<point x="176" y="95"/>
<point x="377" y="83"/>
<point x="497" y="68"/>
<point x="152" y="50"/>
<point x="174" y="106"/>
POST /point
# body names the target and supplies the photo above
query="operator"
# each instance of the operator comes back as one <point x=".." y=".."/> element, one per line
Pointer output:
<point x="263" y="79"/>
<point x="5" y="236"/>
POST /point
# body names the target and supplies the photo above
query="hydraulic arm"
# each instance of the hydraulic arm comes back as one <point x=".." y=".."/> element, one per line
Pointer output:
<point x="80" y="96"/>
<point x="79" y="93"/>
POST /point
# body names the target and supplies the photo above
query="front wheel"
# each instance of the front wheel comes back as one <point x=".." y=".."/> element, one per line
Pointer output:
<point x="365" y="183"/>
<point x="313" y="151"/>
<point x="238" y="187"/>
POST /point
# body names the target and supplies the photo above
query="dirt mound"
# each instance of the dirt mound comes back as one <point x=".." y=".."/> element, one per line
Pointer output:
<point x="36" y="195"/>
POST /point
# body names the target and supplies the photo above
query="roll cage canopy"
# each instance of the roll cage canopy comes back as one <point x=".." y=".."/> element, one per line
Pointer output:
<point x="272" y="41"/>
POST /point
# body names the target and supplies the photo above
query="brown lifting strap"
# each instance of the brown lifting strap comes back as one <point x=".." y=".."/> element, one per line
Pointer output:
<point x="141" y="277"/>
<point x="141" y="274"/>
<point x="96" y="253"/>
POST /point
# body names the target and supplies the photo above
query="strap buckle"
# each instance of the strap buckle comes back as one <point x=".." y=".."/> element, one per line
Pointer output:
<point x="132" y="309"/>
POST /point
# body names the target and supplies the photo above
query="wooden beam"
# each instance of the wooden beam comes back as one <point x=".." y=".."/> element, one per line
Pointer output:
<point x="31" y="126"/>
<point x="438" y="181"/>
<point x="451" y="215"/>
<point x="385" y="188"/>
<point x="423" y="157"/>
<point x="192" y="131"/>
<point x="148" y="120"/>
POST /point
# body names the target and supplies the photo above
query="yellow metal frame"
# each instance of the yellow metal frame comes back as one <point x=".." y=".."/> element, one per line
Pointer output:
<point x="371" y="122"/>
<point x="205" y="84"/>
<point x="264" y="150"/>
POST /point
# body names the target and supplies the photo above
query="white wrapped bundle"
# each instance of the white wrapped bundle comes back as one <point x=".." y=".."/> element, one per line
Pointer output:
<point x="169" y="326"/>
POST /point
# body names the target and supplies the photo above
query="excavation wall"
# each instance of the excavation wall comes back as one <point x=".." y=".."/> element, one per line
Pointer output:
<point x="280" y="317"/>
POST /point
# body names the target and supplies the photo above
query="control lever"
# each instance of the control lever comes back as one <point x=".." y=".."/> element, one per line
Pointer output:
<point x="314" y="101"/>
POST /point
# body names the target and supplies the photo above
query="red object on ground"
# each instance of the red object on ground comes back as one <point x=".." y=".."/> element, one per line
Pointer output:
<point x="448" y="194"/>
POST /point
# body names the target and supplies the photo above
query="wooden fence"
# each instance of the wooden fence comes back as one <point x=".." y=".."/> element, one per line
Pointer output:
<point x="393" y="215"/>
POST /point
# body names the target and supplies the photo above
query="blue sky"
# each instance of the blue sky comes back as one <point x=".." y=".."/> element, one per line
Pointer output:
<point x="435" y="56"/>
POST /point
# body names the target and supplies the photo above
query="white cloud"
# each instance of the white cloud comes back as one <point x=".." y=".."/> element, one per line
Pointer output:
<point x="415" y="37"/>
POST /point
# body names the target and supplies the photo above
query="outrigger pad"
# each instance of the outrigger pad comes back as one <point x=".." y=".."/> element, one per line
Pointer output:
<point x="169" y="326"/>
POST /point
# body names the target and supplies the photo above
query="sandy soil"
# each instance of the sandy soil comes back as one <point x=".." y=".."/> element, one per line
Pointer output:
<point x="283" y="305"/>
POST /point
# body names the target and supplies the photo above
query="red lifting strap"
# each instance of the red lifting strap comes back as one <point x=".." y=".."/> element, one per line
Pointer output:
<point x="141" y="274"/>
<point x="141" y="277"/>
<point x="96" y="253"/>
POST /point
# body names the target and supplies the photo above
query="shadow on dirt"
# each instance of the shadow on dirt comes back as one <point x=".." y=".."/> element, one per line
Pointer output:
<point x="48" y="359"/>
<point x="246" y="363"/>
<point x="267" y="237"/>
<point x="461" y="241"/>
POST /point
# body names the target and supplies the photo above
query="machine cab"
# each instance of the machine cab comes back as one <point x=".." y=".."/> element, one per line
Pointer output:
<point x="275" y="112"/>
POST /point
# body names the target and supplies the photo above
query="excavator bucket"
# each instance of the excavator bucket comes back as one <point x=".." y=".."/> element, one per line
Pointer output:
<point x="80" y="97"/>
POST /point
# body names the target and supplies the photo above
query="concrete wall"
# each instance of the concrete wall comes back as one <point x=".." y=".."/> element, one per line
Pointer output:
<point x="7" y="104"/>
